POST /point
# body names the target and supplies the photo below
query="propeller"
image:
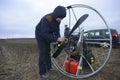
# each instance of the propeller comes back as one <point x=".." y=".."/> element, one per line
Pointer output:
<point x="78" y="23"/>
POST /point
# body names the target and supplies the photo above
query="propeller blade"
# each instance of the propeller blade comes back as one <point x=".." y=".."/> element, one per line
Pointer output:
<point x="59" y="50"/>
<point x="78" y="23"/>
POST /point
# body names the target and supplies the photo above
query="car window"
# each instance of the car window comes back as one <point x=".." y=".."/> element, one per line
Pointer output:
<point x="86" y="34"/>
<point x="106" y="34"/>
<point x="97" y="33"/>
<point x="91" y="33"/>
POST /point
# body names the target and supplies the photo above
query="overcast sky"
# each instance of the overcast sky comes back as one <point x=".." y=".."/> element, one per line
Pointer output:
<point x="18" y="18"/>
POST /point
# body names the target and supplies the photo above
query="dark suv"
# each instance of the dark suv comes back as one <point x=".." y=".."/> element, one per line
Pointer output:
<point x="101" y="35"/>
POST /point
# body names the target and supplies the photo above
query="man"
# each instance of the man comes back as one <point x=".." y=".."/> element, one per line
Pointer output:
<point x="66" y="31"/>
<point x="47" y="31"/>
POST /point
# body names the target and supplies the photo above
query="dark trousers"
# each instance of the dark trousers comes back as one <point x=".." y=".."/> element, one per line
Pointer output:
<point x="44" y="57"/>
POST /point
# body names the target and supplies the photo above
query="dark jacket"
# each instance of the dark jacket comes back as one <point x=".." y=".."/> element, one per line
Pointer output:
<point x="66" y="32"/>
<point x="48" y="28"/>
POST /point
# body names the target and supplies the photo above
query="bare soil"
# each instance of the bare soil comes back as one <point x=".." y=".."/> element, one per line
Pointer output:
<point x="19" y="61"/>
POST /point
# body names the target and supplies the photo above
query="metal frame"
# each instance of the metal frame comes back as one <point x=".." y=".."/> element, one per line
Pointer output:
<point x="60" y="69"/>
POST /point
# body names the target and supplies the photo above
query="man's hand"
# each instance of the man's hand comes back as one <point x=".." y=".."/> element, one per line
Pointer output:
<point x="60" y="39"/>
